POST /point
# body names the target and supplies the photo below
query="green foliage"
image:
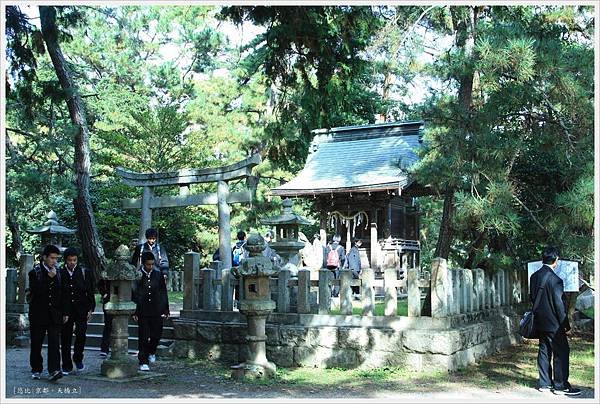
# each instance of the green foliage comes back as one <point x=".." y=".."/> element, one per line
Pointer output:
<point x="519" y="155"/>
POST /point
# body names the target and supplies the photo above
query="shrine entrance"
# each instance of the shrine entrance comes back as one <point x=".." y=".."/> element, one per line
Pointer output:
<point x="183" y="179"/>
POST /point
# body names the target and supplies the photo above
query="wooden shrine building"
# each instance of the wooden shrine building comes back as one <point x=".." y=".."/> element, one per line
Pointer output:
<point x="358" y="179"/>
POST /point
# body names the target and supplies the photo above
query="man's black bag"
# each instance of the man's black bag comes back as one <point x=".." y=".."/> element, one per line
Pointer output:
<point x="527" y="325"/>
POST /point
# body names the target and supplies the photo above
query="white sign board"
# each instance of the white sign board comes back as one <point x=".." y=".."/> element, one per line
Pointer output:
<point x="567" y="270"/>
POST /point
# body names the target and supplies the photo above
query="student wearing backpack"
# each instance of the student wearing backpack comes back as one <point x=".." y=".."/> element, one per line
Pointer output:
<point x="238" y="253"/>
<point x="161" y="261"/>
<point x="45" y="313"/>
<point x="335" y="258"/>
<point x="78" y="304"/>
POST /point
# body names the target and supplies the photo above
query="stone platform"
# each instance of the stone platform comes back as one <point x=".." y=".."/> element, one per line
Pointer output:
<point x="311" y="340"/>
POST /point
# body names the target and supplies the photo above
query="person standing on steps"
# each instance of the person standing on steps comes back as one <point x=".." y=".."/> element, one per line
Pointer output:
<point x="152" y="305"/>
<point x="78" y="304"/>
<point x="161" y="261"/>
<point x="104" y="290"/>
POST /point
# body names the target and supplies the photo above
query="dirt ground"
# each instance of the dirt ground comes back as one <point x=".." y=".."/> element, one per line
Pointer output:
<point x="183" y="379"/>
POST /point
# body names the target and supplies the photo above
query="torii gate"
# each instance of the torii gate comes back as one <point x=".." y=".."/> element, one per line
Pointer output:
<point x="183" y="178"/>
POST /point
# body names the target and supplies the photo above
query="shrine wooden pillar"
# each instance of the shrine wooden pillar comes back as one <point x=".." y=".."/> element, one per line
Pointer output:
<point x="323" y="226"/>
<point x="374" y="243"/>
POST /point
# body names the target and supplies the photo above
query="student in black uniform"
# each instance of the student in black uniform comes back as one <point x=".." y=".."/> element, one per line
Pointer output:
<point x="104" y="290"/>
<point x="45" y="313"/>
<point x="152" y="305"/>
<point x="79" y="304"/>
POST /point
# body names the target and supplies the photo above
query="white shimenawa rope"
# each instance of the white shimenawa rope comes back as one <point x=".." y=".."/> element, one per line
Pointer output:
<point x="357" y="219"/>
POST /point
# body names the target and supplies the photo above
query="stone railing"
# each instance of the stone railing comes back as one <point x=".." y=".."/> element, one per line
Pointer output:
<point x="443" y="293"/>
<point x="212" y="289"/>
<point x="175" y="281"/>
<point x="17" y="282"/>
<point x="462" y="291"/>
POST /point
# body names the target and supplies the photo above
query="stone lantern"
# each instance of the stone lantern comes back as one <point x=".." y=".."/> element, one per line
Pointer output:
<point x="120" y="274"/>
<point x="52" y="232"/>
<point x="256" y="306"/>
<point x="286" y="242"/>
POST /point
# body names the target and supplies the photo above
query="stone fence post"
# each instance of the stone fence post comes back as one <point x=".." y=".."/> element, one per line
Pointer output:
<point x="414" y="294"/>
<point x="25" y="265"/>
<point x="345" y="292"/>
<point x="303" y="291"/>
<point x="191" y="268"/>
<point x="479" y="286"/>
<point x="439" y="287"/>
<point x="391" y="295"/>
<point x="226" y="290"/>
<point x="455" y="291"/>
<point x="367" y="277"/>
<point x="208" y="297"/>
<point x="325" y="276"/>
<point x="283" y="291"/>
<point x="11" y="286"/>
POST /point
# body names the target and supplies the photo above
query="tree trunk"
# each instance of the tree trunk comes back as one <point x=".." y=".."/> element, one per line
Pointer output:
<point x="465" y="38"/>
<point x="88" y="233"/>
<point x="442" y="248"/>
<point x="475" y="246"/>
<point x="16" y="247"/>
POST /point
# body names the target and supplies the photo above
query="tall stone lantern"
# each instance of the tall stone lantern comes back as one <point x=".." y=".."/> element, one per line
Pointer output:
<point x="287" y="225"/>
<point x="52" y="232"/>
<point x="120" y="274"/>
<point x="256" y="306"/>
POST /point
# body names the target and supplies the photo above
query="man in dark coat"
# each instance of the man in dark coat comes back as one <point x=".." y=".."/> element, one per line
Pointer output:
<point x="161" y="261"/>
<point x="152" y="305"/>
<point x="552" y="323"/>
<point x="45" y="313"/>
<point x="79" y="304"/>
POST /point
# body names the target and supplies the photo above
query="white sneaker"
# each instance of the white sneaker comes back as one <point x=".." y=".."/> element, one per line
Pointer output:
<point x="35" y="375"/>
<point x="152" y="358"/>
<point x="144" y="367"/>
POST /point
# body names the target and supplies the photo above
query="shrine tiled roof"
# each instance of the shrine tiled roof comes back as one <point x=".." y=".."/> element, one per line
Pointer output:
<point x="357" y="159"/>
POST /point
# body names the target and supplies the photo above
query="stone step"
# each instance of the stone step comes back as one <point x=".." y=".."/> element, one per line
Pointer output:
<point x="97" y="328"/>
<point x="93" y="341"/>
<point x="98" y="317"/>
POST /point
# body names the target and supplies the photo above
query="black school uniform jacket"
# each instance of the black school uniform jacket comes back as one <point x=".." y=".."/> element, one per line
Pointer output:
<point x="150" y="294"/>
<point x="104" y="290"/>
<point x="77" y="291"/>
<point x="46" y="305"/>
<point x="551" y="313"/>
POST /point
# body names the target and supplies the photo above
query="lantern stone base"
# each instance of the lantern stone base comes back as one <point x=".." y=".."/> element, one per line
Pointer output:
<point x="253" y="371"/>
<point x="119" y="368"/>
<point x="138" y="377"/>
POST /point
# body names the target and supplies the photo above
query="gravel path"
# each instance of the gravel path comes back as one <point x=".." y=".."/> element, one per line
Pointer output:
<point x="185" y="380"/>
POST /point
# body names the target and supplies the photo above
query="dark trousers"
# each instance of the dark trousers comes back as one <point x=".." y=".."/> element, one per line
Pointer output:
<point x="553" y="352"/>
<point x="106" y="331"/>
<point x="79" y="321"/>
<point x="38" y="333"/>
<point x="335" y="290"/>
<point x="355" y="275"/>
<point x="149" y="333"/>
